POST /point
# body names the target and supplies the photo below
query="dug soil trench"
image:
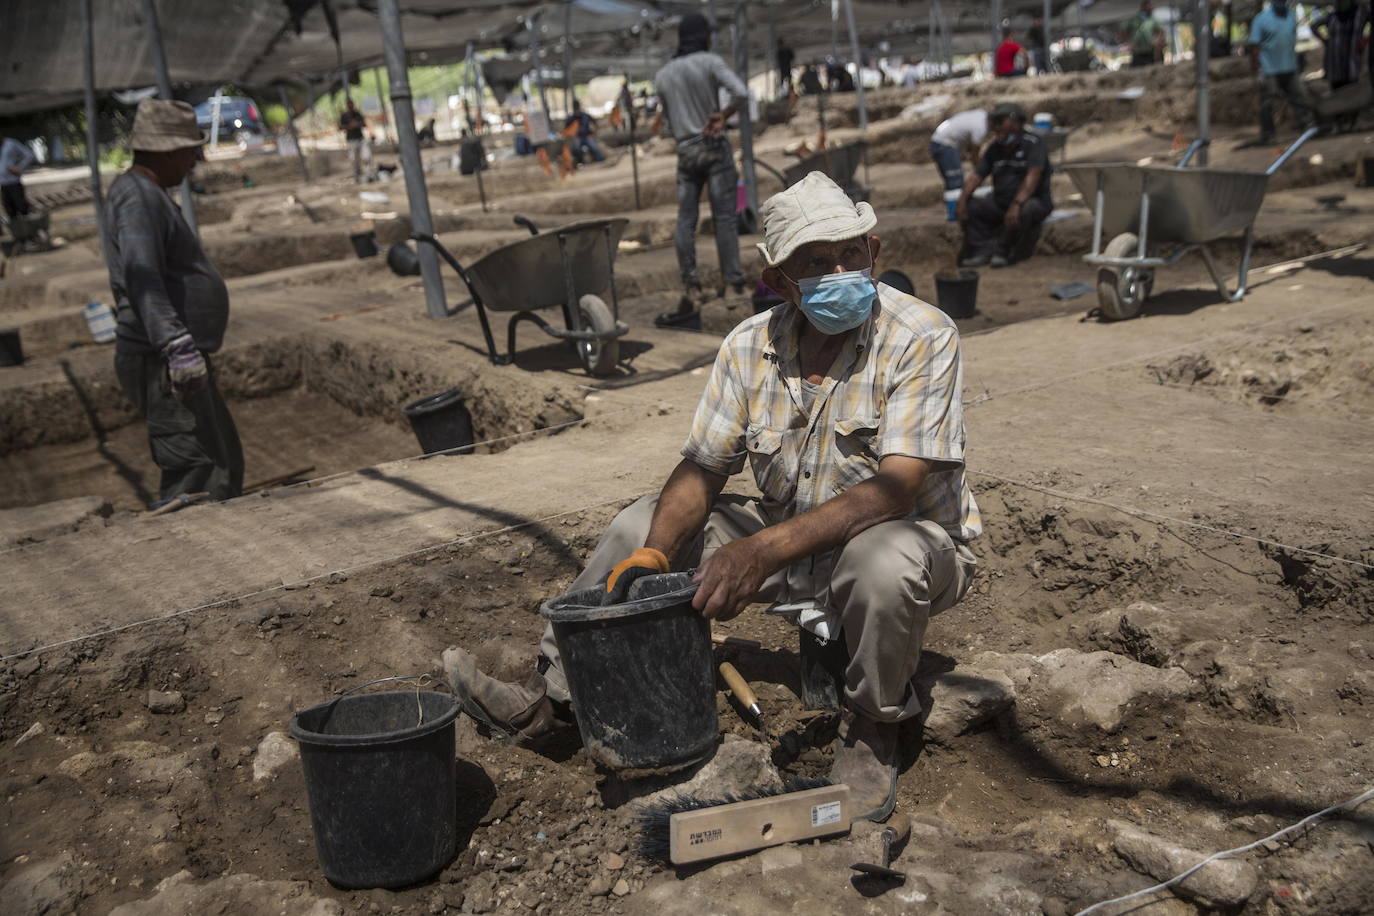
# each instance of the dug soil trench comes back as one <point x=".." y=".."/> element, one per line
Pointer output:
<point x="1177" y="680"/>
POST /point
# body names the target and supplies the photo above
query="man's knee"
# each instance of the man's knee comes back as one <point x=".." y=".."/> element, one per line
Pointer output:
<point x="631" y="524"/>
<point x="893" y="559"/>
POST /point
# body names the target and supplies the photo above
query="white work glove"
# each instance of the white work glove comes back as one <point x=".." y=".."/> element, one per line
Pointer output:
<point x="185" y="366"/>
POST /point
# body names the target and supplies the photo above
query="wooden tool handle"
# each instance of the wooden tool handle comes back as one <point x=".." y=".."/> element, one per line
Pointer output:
<point x="895" y="834"/>
<point x="738" y="642"/>
<point x="738" y="685"/>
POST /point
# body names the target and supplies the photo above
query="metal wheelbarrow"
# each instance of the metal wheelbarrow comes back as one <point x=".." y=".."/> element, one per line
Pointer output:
<point x="839" y="163"/>
<point x="569" y="268"/>
<point x="1156" y="214"/>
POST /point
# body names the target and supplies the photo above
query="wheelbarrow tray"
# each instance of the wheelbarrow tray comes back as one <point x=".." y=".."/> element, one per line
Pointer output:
<point x="1187" y="205"/>
<point x="528" y="274"/>
<point x="838" y="162"/>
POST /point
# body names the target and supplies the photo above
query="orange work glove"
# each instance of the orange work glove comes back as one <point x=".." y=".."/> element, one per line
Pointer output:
<point x="643" y="562"/>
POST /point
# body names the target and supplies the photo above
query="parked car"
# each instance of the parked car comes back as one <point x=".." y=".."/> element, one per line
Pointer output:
<point x="239" y="120"/>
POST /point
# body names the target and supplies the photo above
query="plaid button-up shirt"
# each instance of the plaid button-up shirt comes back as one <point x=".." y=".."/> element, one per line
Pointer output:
<point x="893" y="390"/>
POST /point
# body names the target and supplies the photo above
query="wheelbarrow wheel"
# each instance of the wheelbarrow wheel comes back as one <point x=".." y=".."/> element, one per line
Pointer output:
<point x="1122" y="291"/>
<point x="599" y="357"/>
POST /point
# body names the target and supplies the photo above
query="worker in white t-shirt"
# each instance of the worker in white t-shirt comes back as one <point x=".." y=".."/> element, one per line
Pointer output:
<point x="958" y="135"/>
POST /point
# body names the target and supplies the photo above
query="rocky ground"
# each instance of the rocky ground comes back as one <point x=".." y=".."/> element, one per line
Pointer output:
<point x="1127" y="687"/>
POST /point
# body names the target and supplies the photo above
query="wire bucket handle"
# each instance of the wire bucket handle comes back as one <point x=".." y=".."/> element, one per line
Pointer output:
<point x="424" y="680"/>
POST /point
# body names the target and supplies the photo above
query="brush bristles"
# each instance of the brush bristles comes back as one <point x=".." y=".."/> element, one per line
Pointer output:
<point x="652" y="820"/>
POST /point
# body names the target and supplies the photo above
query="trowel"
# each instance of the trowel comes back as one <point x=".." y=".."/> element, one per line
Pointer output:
<point x="894" y="835"/>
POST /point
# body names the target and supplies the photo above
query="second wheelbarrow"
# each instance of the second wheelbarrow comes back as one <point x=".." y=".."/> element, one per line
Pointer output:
<point x="569" y="268"/>
<point x="1156" y="214"/>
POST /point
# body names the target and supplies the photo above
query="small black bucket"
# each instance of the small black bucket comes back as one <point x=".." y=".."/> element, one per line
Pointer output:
<point x="365" y="244"/>
<point x="381" y="777"/>
<point x="403" y="260"/>
<point x="442" y="422"/>
<point x="957" y="294"/>
<point x="11" y="350"/>
<point x="640" y="673"/>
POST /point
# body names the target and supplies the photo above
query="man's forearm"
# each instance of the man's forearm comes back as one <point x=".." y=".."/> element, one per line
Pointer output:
<point x="970" y="185"/>
<point x="881" y="498"/>
<point x="683" y="507"/>
<point x="1028" y="186"/>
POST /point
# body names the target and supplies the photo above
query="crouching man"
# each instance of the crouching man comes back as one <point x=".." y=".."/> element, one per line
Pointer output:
<point x="1003" y="227"/>
<point x="845" y="402"/>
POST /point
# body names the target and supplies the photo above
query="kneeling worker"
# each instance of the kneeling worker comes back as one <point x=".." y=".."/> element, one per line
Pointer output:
<point x="172" y="309"/>
<point x="845" y="401"/>
<point x="1003" y="228"/>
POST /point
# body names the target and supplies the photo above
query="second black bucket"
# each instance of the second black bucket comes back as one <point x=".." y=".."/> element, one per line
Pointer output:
<point x="442" y="423"/>
<point x="957" y="294"/>
<point x="365" y="244"/>
<point x="640" y="673"/>
<point x="381" y="777"/>
<point x="11" y="350"/>
<point x="403" y="260"/>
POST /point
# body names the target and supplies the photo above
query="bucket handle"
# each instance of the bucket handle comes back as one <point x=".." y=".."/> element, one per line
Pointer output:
<point x="425" y="680"/>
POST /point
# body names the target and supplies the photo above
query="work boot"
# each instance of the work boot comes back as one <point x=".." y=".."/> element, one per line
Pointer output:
<point x="976" y="260"/>
<point x="511" y="712"/>
<point x="866" y="761"/>
<point x="999" y="260"/>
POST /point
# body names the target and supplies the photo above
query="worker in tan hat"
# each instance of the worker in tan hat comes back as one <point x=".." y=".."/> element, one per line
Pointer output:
<point x="845" y="402"/>
<point x="172" y="308"/>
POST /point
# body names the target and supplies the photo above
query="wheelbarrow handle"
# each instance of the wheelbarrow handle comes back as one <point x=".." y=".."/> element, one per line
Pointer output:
<point x="1288" y="153"/>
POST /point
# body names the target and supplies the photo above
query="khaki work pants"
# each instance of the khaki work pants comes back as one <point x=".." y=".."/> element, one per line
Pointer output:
<point x="886" y="583"/>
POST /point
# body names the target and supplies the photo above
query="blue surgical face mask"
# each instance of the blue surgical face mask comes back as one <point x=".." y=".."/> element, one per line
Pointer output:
<point x="836" y="303"/>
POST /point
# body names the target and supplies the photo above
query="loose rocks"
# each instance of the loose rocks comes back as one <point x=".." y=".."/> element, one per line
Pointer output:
<point x="1224" y="883"/>
<point x="165" y="702"/>
<point x="275" y="751"/>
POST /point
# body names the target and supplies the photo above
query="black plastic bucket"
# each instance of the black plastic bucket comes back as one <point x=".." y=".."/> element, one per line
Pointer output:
<point x="957" y="294"/>
<point x="381" y="777"/>
<point x="441" y="422"/>
<point x="403" y="260"/>
<point x="640" y="673"/>
<point x="365" y="244"/>
<point x="898" y="280"/>
<point x="11" y="350"/>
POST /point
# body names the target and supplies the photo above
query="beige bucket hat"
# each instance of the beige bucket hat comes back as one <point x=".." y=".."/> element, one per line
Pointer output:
<point x="161" y="126"/>
<point x="814" y="209"/>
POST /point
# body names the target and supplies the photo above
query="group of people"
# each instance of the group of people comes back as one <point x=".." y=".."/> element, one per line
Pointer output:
<point x="1015" y="59"/>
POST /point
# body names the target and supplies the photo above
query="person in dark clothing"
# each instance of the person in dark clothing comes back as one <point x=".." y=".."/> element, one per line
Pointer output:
<point x="351" y="122"/>
<point x="1342" y="32"/>
<point x="172" y="309"/>
<point x="1003" y="227"/>
<point x="785" y="58"/>
<point x="1038" y="45"/>
<point x="584" y="143"/>
<point x="811" y="81"/>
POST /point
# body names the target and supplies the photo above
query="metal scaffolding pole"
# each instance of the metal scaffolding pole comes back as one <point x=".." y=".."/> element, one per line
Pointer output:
<point x="858" y="69"/>
<point x="164" y="89"/>
<point x="1045" y="30"/>
<point x="746" y="123"/>
<point x="834" y="33"/>
<point x="1202" y="52"/>
<point x="295" y="137"/>
<point x="92" y="138"/>
<point x="394" y="47"/>
<point x="995" y="14"/>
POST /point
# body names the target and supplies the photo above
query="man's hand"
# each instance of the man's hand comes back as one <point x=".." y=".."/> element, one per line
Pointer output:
<point x="715" y="125"/>
<point x="961" y="210"/>
<point x="1013" y="217"/>
<point x="643" y="562"/>
<point x="730" y="579"/>
<point x="14" y="170"/>
<point x="185" y="366"/>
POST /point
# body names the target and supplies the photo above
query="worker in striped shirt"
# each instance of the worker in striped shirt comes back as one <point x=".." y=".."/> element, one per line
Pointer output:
<point x="845" y="403"/>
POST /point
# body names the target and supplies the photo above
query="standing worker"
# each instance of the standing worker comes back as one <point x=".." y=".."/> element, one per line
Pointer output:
<point x="352" y="123"/>
<point x="1003" y="227"/>
<point x="1341" y="30"/>
<point x="689" y="88"/>
<point x="846" y="402"/>
<point x="15" y="157"/>
<point x="785" y="58"/>
<point x="1274" y="61"/>
<point x="172" y="310"/>
<point x="1145" y="36"/>
<point x="957" y="136"/>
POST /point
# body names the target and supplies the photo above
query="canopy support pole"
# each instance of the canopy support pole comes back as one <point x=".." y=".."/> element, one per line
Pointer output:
<point x="746" y="123"/>
<point x="858" y="77"/>
<point x="295" y="137"/>
<point x="164" y="89"/>
<point x="995" y="15"/>
<point x="567" y="57"/>
<point x="533" y="25"/>
<point x="92" y="138"/>
<point x="394" y="47"/>
<point x="1046" y="18"/>
<point x="381" y="102"/>
<point x="628" y="101"/>
<point x="1202" y="51"/>
<point x="771" y="60"/>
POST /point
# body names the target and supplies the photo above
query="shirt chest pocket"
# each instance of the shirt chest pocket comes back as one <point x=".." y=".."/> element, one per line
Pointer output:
<point x="855" y="451"/>
<point x="774" y="473"/>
